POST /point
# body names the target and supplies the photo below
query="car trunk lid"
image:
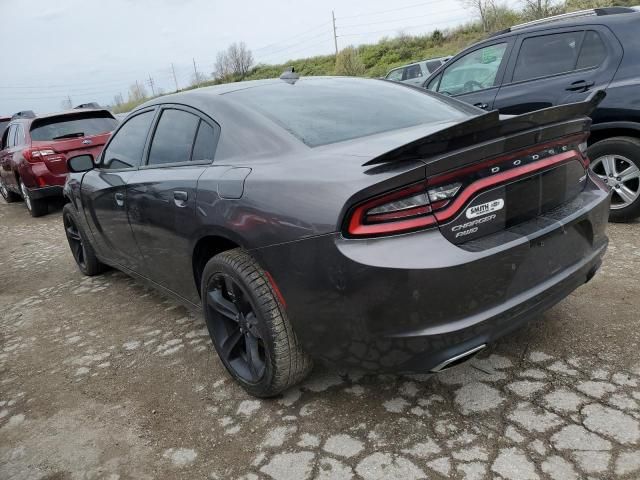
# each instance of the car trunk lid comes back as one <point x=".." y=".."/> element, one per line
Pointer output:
<point x="483" y="175"/>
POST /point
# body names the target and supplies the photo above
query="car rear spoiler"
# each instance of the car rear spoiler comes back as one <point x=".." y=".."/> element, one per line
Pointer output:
<point x="486" y="127"/>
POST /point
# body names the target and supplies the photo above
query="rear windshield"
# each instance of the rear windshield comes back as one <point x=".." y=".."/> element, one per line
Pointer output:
<point x="72" y="126"/>
<point x="325" y="111"/>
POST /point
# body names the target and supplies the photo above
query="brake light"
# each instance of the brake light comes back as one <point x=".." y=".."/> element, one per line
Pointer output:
<point x="403" y="210"/>
<point x="37" y="154"/>
<point x="442" y="197"/>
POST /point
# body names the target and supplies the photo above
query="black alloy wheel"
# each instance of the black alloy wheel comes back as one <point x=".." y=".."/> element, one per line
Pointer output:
<point x="249" y="326"/>
<point x="75" y="241"/>
<point x="235" y="328"/>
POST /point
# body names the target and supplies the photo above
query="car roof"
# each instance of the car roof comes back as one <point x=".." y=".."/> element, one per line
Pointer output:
<point x="611" y="19"/>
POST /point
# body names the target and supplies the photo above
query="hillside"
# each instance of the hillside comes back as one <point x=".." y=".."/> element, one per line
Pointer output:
<point x="375" y="60"/>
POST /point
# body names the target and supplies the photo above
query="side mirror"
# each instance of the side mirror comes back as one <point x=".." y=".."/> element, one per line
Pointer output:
<point x="80" y="163"/>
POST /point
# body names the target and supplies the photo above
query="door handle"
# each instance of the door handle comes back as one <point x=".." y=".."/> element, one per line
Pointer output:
<point x="119" y="196"/>
<point x="481" y="105"/>
<point x="579" y="86"/>
<point x="180" y="197"/>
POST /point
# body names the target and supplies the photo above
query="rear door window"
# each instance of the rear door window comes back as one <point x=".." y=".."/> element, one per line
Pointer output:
<point x="127" y="145"/>
<point x="11" y="136"/>
<point x="72" y="126"/>
<point x="593" y="51"/>
<point x="476" y="70"/>
<point x="174" y="136"/>
<point x="205" y="144"/>
<point x="412" y="71"/>
<point x="547" y="55"/>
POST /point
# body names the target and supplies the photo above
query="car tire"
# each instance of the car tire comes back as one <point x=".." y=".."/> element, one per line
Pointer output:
<point x="7" y="194"/>
<point x="37" y="208"/>
<point x="610" y="159"/>
<point x="81" y="249"/>
<point x="259" y="347"/>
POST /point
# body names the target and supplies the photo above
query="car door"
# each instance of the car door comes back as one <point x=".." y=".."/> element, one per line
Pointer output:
<point x="161" y="196"/>
<point x="558" y="67"/>
<point x="104" y="193"/>
<point x="475" y="76"/>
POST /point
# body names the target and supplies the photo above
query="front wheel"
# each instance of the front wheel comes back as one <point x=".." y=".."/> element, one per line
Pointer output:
<point x="36" y="208"/>
<point x="617" y="162"/>
<point x="249" y="326"/>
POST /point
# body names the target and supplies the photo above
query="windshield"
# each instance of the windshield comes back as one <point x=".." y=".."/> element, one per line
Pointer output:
<point x="72" y="126"/>
<point x="334" y="110"/>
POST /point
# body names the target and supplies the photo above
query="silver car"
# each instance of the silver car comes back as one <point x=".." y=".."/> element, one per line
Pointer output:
<point x="415" y="73"/>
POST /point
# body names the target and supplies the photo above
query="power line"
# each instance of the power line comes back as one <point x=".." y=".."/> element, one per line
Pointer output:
<point x="291" y="37"/>
<point x="391" y="10"/>
<point x="402" y="28"/>
<point x="326" y="32"/>
<point x="401" y="19"/>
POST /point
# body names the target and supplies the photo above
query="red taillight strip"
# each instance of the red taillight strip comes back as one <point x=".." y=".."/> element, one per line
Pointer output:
<point x="392" y="227"/>
<point x="357" y="227"/>
<point x="498" y="178"/>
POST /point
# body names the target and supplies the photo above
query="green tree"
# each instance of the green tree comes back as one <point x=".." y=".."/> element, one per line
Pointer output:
<point x="348" y="63"/>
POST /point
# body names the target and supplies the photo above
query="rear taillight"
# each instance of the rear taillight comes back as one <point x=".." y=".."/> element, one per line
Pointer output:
<point x="443" y="196"/>
<point x="400" y="211"/>
<point x="38" y="154"/>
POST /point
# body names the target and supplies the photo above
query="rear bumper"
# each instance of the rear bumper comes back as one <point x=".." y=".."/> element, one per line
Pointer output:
<point x="409" y="302"/>
<point x="37" y="176"/>
<point x="45" y="192"/>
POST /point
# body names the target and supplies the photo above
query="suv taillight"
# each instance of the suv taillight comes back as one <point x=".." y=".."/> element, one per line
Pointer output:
<point x="37" y="154"/>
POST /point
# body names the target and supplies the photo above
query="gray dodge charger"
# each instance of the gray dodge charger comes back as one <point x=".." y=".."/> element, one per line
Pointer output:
<point x="358" y="221"/>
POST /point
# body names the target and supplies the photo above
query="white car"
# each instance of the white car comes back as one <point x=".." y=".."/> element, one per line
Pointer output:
<point x="416" y="73"/>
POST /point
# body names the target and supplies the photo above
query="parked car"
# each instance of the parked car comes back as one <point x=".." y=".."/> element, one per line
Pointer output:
<point x="560" y="60"/>
<point x="34" y="150"/>
<point x="415" y="73"/>
<point x="402" y="234"/>
<point x="4" y="121"/>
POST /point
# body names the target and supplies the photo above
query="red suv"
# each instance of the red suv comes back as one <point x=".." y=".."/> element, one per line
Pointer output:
<point x="35" y="148"/>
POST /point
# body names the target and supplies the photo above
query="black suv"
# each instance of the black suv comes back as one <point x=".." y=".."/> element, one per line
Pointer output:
<point x="558" y="60"/>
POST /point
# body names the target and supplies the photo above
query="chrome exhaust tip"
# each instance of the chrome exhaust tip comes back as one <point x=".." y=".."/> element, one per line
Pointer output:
<point x="458" y="359"/>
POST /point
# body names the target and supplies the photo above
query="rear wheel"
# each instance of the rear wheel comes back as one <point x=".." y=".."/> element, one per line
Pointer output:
<point x="617" y="161"/>
<point x="36" y="208"/>
<point x="249" y="326"/>
<point x="81" y="249"/>
<point x="7" y="194"/>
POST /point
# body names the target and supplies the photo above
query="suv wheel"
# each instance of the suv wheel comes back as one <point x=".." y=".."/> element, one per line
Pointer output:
<point x="36" y="208"/>
<point x="249" y="326"/>
<point x="7" y="194"/>
<point x="617" y="161"/>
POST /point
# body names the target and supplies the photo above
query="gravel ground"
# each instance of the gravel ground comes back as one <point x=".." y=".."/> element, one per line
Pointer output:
<point x="103" y="378"/>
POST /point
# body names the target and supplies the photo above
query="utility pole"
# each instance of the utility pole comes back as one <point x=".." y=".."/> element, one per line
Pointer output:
<point x="69" y="102"/>
<point x="152" y="85"/>
<point x="335" y="36"/>
<point x="174" y="76"/>
<point x="195" y="71"/>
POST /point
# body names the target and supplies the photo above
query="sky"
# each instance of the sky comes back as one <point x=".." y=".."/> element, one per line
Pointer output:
<point x="92" y="50"/>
